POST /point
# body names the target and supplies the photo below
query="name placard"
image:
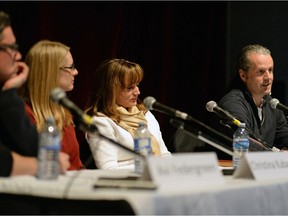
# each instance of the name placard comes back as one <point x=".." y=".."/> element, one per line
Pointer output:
<point x="185" y="170"/>
<point x="263" y="165"/>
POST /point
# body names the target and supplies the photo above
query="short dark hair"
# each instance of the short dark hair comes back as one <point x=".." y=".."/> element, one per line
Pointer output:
<point x="4" y="22"/>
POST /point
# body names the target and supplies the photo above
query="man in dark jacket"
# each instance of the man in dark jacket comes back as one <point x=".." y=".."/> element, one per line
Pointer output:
<point x="249" y="97"/>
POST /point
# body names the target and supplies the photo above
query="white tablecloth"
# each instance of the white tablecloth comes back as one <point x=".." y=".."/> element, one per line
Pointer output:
<point x="236" y="196"/>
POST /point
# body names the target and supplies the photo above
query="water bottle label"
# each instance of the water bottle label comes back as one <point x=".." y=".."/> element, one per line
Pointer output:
<point x="142" y="146"/>
<point x="52" y="143"/>
<point x="240" y="143"/>
<point x="51" y="147"/>
<point x="240" y="147"/>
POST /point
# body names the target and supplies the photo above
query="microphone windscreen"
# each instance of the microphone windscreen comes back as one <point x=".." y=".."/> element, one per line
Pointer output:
<point x="57" y="94"/>
<point x="274" y="102"/>
<point x="148" y="102"/>
<point x="210" y="106"/>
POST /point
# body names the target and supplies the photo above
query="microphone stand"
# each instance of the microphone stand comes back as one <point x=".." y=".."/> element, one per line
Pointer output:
<point x="252" y="137"/>
<point x="201" y="136"/>
<point x="190" y="118"/>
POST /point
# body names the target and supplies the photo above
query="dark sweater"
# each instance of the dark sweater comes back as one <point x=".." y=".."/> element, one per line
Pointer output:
<point x="273" y="130"/>
<point x="17" y="133"/>
<point x="6" y="161"/>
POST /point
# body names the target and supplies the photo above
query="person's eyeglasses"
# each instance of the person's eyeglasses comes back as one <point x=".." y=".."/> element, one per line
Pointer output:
<point x="71" y="68"/>
<point x="13" y="47"/>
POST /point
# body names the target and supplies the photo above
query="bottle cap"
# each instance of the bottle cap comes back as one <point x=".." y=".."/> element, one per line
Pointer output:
<point x="50" y="119"/>
<point x="141" y="124"/>
<point x="242" y="124"/>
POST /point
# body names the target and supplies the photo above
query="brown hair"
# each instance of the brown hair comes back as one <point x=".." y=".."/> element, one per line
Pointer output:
<point x="110" y="75"/>
<point x="4" y="22"/>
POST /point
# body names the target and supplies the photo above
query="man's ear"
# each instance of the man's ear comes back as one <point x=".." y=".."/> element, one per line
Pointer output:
<point x="243" y="75"/>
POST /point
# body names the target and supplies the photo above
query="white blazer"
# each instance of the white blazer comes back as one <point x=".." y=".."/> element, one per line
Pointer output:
<point x="107" y="155"/>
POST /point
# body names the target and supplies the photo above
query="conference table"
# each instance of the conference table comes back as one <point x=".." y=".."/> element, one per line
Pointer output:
<point x="75" y="193"/>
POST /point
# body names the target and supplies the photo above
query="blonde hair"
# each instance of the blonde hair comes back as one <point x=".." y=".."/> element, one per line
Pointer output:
<point x="44" y="60"/>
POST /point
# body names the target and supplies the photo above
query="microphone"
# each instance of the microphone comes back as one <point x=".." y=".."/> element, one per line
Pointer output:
<point x="152" y="104"/>
<point x="212" y="106"/>
<point x="58" y="96"/>
<point x="275" y="104"/>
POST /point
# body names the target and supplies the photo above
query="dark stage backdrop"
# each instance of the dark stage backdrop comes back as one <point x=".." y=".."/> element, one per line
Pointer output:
<point x="182" y="46"/>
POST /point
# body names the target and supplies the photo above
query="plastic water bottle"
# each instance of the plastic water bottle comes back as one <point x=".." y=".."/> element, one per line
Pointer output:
<point x="142" y="145"/>
<point x="49" y="147"/>
<point x="240" y="145"/>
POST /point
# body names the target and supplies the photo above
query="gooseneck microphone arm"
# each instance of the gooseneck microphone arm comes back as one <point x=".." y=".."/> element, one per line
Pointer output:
<point x="212" y="106"/>
<point x="152" y="104"/>
<point x="210" y="129"/>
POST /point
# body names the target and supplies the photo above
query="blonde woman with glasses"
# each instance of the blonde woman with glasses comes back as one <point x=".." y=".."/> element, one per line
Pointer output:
<point x="51" y="65"/>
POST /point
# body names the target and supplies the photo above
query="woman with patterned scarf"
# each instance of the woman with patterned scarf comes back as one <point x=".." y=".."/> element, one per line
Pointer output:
<point x="117" y="112"/>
